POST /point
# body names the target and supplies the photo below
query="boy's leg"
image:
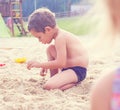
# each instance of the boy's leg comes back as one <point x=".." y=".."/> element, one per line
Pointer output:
<point x="51" y="55"/>
<point x="67" y="86"/>
<point x="63" y="80"/>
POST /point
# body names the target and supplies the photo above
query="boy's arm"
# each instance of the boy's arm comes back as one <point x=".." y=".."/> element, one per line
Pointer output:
<point x="59" y="62"/>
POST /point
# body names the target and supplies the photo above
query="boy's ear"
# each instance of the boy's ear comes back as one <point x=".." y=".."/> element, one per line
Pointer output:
<point x="48" y="29"/>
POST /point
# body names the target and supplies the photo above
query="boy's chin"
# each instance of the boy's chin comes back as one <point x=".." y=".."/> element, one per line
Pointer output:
<point x="44" y="43"/>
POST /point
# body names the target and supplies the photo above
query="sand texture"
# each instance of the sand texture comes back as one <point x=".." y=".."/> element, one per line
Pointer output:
<point x="21" y="89"/>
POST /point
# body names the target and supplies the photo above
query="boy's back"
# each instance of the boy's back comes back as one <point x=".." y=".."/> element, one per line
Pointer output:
<point x="66" y="42"/>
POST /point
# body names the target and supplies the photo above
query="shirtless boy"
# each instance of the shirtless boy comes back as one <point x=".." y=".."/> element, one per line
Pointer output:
<point x="65" y="51"/>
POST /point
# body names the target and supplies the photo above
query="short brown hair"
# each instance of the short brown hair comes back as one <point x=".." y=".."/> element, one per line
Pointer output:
<point x="41" y="18"/>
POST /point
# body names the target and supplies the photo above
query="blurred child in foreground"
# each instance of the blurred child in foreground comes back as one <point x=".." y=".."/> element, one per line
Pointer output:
<point x="66" y="54"/>
<point x="105" y="94"/>
<point x="105" y="15"/>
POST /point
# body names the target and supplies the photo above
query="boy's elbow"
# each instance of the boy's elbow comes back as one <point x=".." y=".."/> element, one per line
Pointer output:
<point x="62" y="64"/>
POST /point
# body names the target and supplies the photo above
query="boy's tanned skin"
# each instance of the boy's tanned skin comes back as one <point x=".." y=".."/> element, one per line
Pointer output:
<point x="66" y="51"/>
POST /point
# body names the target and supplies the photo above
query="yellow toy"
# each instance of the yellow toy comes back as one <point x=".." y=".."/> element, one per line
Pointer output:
<point x="20" y="60"/>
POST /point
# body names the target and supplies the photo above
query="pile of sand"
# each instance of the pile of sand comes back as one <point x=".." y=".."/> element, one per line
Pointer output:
<point x="21" y="89"/>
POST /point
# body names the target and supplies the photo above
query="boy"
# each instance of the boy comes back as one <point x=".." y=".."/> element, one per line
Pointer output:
<point x="66" y="54"/>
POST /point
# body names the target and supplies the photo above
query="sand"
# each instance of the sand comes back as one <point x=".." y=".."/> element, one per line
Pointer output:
<point x="21" y="89"/>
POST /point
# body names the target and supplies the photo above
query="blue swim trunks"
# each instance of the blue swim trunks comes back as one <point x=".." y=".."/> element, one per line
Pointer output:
<point x="80" y="72"/>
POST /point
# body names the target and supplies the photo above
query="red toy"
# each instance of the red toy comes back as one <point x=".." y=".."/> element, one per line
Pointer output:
<point x="2" y="65"/>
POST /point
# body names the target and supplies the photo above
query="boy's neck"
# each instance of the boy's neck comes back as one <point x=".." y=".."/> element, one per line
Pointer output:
<point x="56" y="30"/>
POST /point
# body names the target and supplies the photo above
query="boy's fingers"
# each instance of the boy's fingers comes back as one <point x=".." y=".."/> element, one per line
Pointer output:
<point x="29" y="66"/>
<point x="45" y="70"/>
<point x="42" y="74"/>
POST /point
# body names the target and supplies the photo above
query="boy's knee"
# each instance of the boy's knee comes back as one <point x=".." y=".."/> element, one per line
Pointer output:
<point x="50" y="48"/>
<point x="49" y="86"/>
<point x="51" y="52"/>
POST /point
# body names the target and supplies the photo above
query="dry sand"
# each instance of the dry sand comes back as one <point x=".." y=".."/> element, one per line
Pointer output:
<point x="21" y="89"/>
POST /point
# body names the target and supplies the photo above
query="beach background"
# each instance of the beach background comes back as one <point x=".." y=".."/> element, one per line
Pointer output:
<point x="21" y="89"/>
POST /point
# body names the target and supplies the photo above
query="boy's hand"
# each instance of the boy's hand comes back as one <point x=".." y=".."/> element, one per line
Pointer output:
<point x="43" y="72"/>
<point x="32" y="64"/>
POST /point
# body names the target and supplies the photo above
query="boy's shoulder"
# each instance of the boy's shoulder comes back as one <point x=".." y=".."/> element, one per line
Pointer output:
<point x="64" y="33"/>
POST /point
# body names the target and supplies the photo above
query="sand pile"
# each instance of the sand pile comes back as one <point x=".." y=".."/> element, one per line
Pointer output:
<point x="21" y="89"/>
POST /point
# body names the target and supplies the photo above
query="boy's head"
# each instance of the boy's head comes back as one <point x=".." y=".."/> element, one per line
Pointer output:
<point x="40" y="19"/>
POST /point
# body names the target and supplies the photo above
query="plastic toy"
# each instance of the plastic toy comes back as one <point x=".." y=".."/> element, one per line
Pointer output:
<point x="2" y="64"/>
<point x="20" y="60"/>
